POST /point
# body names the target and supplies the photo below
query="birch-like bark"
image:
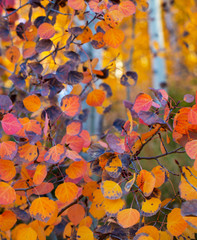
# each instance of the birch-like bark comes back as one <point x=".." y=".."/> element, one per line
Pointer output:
<point x="157" y="37"/>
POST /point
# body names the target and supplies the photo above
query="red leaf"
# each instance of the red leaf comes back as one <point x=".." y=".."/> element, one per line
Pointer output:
<point x="10" y="124"/>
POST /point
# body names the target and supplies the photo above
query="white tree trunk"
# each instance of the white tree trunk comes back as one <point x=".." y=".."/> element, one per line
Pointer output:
<point x="156" y="37"/>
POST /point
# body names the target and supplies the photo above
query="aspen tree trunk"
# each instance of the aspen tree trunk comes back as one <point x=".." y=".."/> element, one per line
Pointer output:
<point x="156" y="37"/>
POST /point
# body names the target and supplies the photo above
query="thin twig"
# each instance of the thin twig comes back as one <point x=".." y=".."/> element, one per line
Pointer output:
<point x="16" y="10"/>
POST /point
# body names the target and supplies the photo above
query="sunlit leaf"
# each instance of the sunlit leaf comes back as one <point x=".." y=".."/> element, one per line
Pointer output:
<point x="7" y="220"/>
<point x="32" y="103"/>
<point x="127" y="8"/>
<point x="113" y="37"/>
<point x="10" y="124"/>
<point x="76" y="213"/>
<point x="13" y="54"/>
<point x="71" y="105"/>
<point x="87" y="221"/>
<point x="27" y="152"/>
<point x="176" y="225"/>
<point x="95" y="98"/>
<point x="7" y="170"/>
<point x="29" y="49"/>
<point x="76" y="169"/>
<point x="42" y="208"/>
<point x="76" y="4"/>
<point x="8" y="150"/>
<point x="128" y="217"/>
<point x="74" y="128"/>
<point x="160" y="175"/>
<point x="150" y="230"/>
<point x="146" y="182"/>
<point x="66" y="192"/>
<point x="114" y="167"/>
<point x="7" y="194"/>
<point x="84" y="233"/>
<point x="27" y="233"/>
<point x="55" y="154"/>
<point x="143" y="102"/>
<point x="40" y="174"/>
<point x="150" y="207"/>
<point x="112" y="207"/>
<point x="111" y="190"/>
<point x="46" y="31"/>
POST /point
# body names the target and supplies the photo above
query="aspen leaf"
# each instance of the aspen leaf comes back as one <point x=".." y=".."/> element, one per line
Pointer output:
<point x="113" y="37"/>
<point x="84" y="233"/>
<point x="87" y="221"/>
<point x="68" y="230"/>
<point x="32" y="103"/>
<point x="40" y="174"/>
<point x="189" y="212"/>
<point x="76" y="4"/>
<point x="86" y="35"/>
<point x="97" y="211"/>
<point x="86" y="137"/>
<point x="74" y="128"/>
<point x="97" y="40"/>
<point x="46" y="31"/>
<point x="76" y="213"/>
<point x="66" y="192"/>
<point x="42" y="209"/>
<point x="128" y="217"/>
<point x="89" y="188"/>
<point x="10" y="124"/>
<point x="7" y="170"/>
<point x="164" y="235"/>
<point x="71" y="105"/>
<point x="176" y="225"/>
<point x="7" y="220"/>
<point x="114" y="167"/>
<point x="26" y="233"/>
<point x="115" y="143"/>
<point x="150" y="230"/>
<point x="27" y="152"/>
<point x="127" y="8"/>
<point x="75" y="143"/>
<point x="76" y="169"/>
<point x="29" y="49"/>
<point x="95" y="98"/>
<point x="55" y="154"/>
<point x="146" y="182"/>
<point x="191" y="149"/>
<point x="150" y="207"/>
<point x="187" y="192"/>
<point x="7" y="194"/>
<point x="111" y="190"/>
<point x="12" y="54"/>
<point x="112" y="207"/>
<point x="143" y="102"/>
<point x="130" y="183"/>
<point x="8" y="150"/>
<point x="160" y="175"/>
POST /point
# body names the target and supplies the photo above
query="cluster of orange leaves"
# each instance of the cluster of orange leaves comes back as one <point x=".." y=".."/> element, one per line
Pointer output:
<point x="47" y="184"/>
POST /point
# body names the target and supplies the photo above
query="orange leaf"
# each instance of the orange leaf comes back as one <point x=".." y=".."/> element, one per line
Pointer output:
<point x="29" y="49"/>
<point x="143" y="102"/>
<point x="12" y="54"/>
<point x="87" y="221"/>
<point x="46" y="31"/>
<point x="160" y="175"/>
<point x="97" y="211"/>
<point x="68" y="230"/>
<point x="74" y="128"/>
<point x="40" y="174"/>
<point x="42" y="209"/>
<point x="111" y="190"/>
<point x="8" y="150"/>
<point x="32" y="103"/>
<point x="29" y="126"/>
<point x="127" y="8"/>
<point x="74" y="142"/>
<point x="89" y="188"/>
<point x="7" y="220"/>
<point x="26" y="233"/>
<point x="113" y="37"/>
<point x="10" y="124"/>
<point x="66" y="192"/>
<point x="7" y="194"/>
<point x="77" y="4"/>
<point x="112" y="207"/>
<point x="146" y="182"/>
<point x="97" y="40"/>
<point x="7" y="170"/>
<point x="84" y="233"/>
<point x="71" y="105"/>
<point x="187" y="192"/>
<point x="191" y="149"/>
<point x="55" y="154"/>
<point x="150" y="230"/>
<point x="176" y="225"/>
<point x="150" y="207"/>
<point x="86" y="35"/>
<point x="28" y="152"/>
<point x="76" y="169"/>
<point x="95" y="98"/>
<point x="86" y="137"/>
<point x="128" y="217"/>
<point x="76" y="213"/>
